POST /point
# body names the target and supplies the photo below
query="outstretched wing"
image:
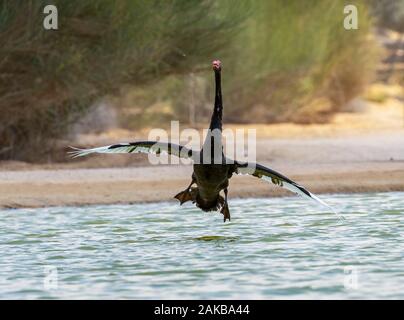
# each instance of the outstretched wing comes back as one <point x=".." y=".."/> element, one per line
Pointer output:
<point x="280" y="180"/>
<point x="138" y="147"/>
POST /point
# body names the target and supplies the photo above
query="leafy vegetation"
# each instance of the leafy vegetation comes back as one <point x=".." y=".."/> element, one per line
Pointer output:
<point x="283" y="60"/>
<point x="48" y="78"/>
<point x="291" y="61"/>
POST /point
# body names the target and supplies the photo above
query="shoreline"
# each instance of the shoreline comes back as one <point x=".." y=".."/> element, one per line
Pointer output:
<point x="80" y="187"/>
<point x="350" y="164"/>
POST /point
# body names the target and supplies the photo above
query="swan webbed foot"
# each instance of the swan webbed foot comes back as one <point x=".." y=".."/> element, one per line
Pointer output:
<point x="188" y="194"/>
<point x="184" y="196"/>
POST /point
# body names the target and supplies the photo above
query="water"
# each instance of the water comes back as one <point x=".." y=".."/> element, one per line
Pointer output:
<point x="273" y="249"/>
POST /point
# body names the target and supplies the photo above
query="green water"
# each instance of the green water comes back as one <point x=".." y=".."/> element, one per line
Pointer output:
<point x="280" y="248"/>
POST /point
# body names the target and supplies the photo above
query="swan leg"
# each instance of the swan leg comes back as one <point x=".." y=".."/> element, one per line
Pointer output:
<point x="185" y="195"/>
<point x="225" y="208"/>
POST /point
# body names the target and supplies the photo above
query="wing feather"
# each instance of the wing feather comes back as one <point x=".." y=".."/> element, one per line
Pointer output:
<point x="137" y="147"/>
<point x="280" y="180"/>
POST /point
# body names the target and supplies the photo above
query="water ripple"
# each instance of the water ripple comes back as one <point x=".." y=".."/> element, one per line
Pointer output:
<point x="272" y="248"/>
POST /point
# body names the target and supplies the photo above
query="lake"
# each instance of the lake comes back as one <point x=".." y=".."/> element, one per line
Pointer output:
<point x="274" y="248"/>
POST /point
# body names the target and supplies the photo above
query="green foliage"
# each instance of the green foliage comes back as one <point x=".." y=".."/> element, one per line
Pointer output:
<point x="278" y="57"/>
<point x="48" y="78"/>
<point x="291" y="61"/>
<point x="292" y="52"/>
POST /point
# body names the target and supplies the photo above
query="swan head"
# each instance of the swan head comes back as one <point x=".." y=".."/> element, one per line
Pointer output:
<point x="217" y="65"/>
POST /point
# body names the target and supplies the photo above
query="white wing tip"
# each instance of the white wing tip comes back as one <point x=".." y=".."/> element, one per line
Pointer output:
<point x="77" y="152"/>
<point x="339" y="215"/>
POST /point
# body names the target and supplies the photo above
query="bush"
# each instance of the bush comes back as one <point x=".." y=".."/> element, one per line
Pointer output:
<point x="291" y="61"/>
<point x="283" y="60"/>
<point x="49" y="78"/>
<point x="295" y="52"/>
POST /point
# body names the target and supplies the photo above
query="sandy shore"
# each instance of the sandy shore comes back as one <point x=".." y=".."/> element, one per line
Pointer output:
<point x="108" y="186"/>
<point x="360" y="163"/>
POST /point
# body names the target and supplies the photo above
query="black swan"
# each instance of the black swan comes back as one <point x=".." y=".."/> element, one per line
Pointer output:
<point x="211" y="175"/>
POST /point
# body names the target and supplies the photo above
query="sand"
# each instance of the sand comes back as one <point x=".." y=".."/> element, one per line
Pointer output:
<point x="358" y="163"/>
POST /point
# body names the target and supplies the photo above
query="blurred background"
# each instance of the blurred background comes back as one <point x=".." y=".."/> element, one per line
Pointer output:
<point x="116" y="68"/>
